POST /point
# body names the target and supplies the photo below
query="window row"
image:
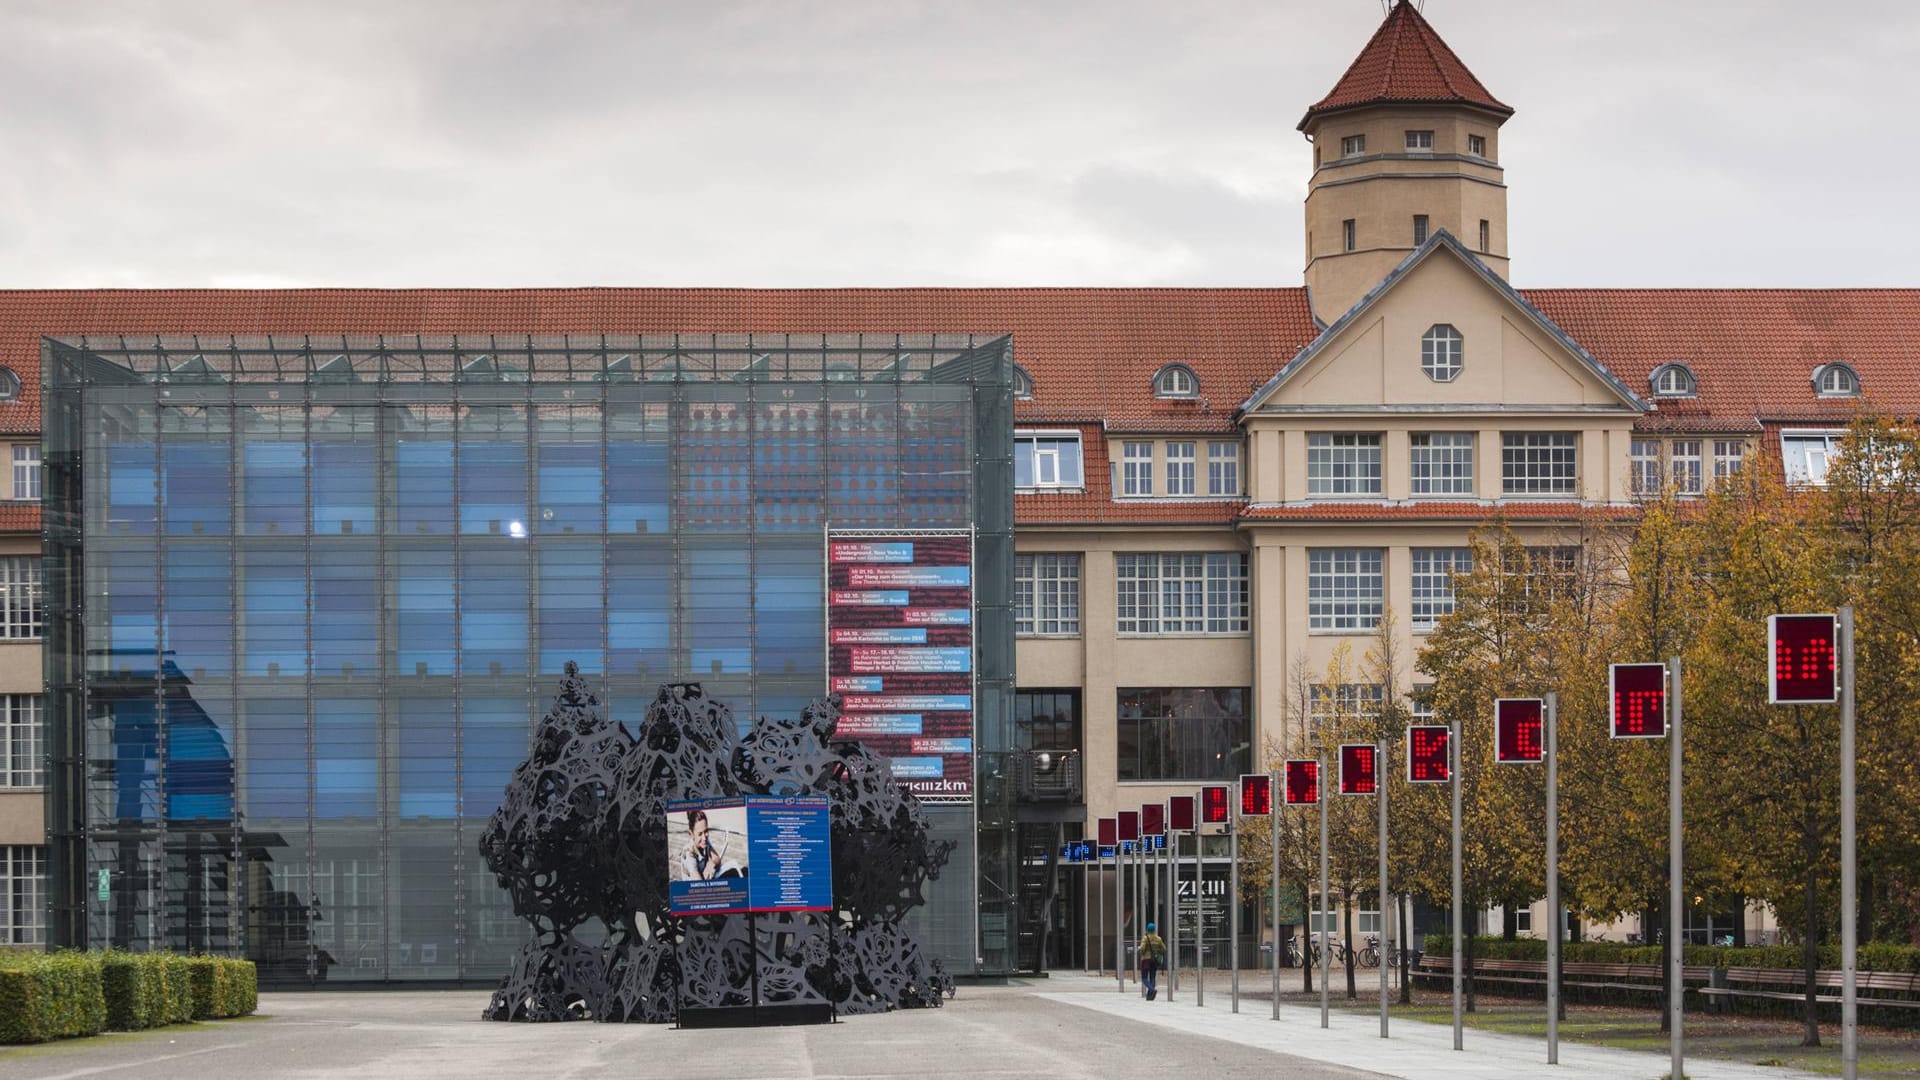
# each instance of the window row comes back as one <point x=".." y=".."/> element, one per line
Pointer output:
<point x="1687" y="464"/>
<point x="1442" y="463"/>
<point x="23" y="895"/>
<point x="20" y="596"/>
<point x="1416" y="141"/>
<point x="1346" y="587"/>
<point x="26" y="471"/>
<point x="21" y="755"/>
<point x="1181" y="594"/>
<point x="1176" y="465"/>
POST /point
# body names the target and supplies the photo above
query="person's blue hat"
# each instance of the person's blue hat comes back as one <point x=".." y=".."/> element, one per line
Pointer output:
<point x="1149" y="926"/>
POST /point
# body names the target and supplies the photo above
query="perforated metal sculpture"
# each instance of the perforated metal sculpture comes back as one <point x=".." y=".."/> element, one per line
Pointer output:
<point x="581" y="839"/>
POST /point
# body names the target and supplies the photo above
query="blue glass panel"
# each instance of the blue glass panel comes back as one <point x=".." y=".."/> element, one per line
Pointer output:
<point x="273" y="623"/>
<point x="345" y="776"/>
<point x="199" y="760"/>
<point x="423" y="486"/>
<point x="343" y="487"/>
<point x="493" y="607"/>
<point x="346" y="608"/>
<point x="133" y="722"/>
<point x="425" y="765"/>
<point x="423" y="621"/>
<point x="199" y="629"/>
<point x="717" y="596"/>
<point x="639" y="607"/>
<point x="569" y="487"/>
<point x="493" y="486"/>
<point x="131" y="475"/>
<point x="198" y="488"/>
<point x="788" y="462"/>
<point x="276" y="758"/>
<point x="716" y="463"/>
<point x="274" y="487"/>
<point x="636" y="486"/>
<point x="788" y="618"/>
<point x="933" y="489"/>
<point x="570" y="607"/>
<point x="495" y="736"/>
<point x="861" y="465"/>
<point x="133" y="632"/>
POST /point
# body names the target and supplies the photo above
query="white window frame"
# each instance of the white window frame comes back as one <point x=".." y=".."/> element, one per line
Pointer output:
<point x="1433" y="572"/>
<point x="1836" y="380"/>
<point x="1223" y="468"/>
<point x="1329" y="701"/>
<point x="1176" y="381"/>
<point x="1136" y="469"/>
<point x="1191" y="594"/>
<point x="1477" y="146"/>
<point x="1813" y="451"/>
<point x="23" y="894"/>
<point x="1643" y="467"/>
<point x="1443" y="352"/>
<point x="21" y="610"/>
<point x="1353" y="145"/>
<point x="1048" y="450"/>
<point x="1440" y="462"/>
<point x="1530" y="460"/>
<point x="1182" y="468"/>
<point x="1673" y="381"/>
<point x="1046" y="595"/>
<point x="1338" y="464"/>
<point x="1685" y="465"/>
<point x="1728" y="456"/>
<point x="1346" y="589"/>
<point x="26" y="471"/>
<point x="22" y="752"/>
<point x="1419" y="142"/>
<point x="1022" y="384"/>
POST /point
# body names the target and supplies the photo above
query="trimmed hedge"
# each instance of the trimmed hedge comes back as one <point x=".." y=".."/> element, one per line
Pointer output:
<point x="129" y="992"/>
<point x="1876" y="956"/>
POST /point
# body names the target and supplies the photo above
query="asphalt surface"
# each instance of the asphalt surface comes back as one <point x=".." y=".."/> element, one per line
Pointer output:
<point x="986" y="1033"/>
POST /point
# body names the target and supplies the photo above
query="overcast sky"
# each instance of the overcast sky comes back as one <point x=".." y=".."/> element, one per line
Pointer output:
<point x="886" y="142"/>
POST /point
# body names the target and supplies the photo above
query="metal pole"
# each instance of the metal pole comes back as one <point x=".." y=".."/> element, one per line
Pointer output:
<point x="1140" y="908"/>
<point x="1169" y="915"/>
<point x="1326" y="949"/>
<point x="1099" y="942"/>
<point x="1233" y="909"/>
<point x="1199" y="913"/>
<point x="1453" y="777"/>
<point x="1386" y="928"/>
<point x="1554" y="924"/>
<point x="1119" y="913"/>
<point x="1273" y="844"/>
<point x="1676" y="947"/>
<point x="1849" y="863"/>
<point x="1173" y="910"/>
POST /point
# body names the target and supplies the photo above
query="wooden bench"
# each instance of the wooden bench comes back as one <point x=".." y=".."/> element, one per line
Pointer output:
<point x="1750" y="983"/>
<point x="1644" y="978"/>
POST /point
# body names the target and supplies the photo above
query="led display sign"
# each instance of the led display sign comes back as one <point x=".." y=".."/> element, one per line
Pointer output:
<point x="1427" y="754"/>
<point x="1358" y="772"/>
<point x="1180" y="813"/>
<point x="1303" y="782"/>
<point x="1256" y="794"/>
<point x="1803" y="671"/>
<point x="1639" y="696"/>
<point x="1213" y="805"/>
<point x="1153" y="819"/>
<point x="1109" y="832"/>
<point x="1129" y="825"/>
<point x="1519" y="731"/>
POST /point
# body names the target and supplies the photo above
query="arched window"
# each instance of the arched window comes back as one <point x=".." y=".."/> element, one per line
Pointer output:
<point x="9" y="384"/>
<point x="1176" y="381"/>
<point x="1022" y="384"/>
<point x="1673" y="380"/>
<point x="1836" y="380"/>
<point x="1441" y="353"/>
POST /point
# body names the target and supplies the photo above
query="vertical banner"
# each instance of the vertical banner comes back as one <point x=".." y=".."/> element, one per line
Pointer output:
<point x="900" y="652"/>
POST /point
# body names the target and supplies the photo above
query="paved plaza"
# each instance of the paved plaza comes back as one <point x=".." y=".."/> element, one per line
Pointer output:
<point x="1064" y="1028"/>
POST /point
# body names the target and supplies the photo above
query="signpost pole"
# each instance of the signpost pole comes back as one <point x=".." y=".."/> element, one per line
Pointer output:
<point x="1386" y="927"/>
<point x="1849" y="865"/>
<point x="1169" y="917"/>
<point x="1119" y="914"/>
<point x="1326" y="950"/>
<point x="1453" y="776"/>
<point x="1554" y="925"/>
<point x="1173" y="907"/>
<point x="1233" y="908"/>
<point x="1676" y="945"/>
<point x="1199" y="912"/>
<point x="1086" y="916"/>
<point x="1095" y="959"/>
<point x="1273" y="844"/>
<point x="1140" y="908"/>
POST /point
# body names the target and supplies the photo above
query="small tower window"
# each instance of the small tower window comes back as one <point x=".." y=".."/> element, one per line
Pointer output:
<point x="1836" y="380"/>
<point x="1175" y="381"/>
<point x="9" y="384"/>
<point x="1420" y="142"/>
<point x="1347" y="227"/>
<point x="1673" y="380"/>
<point x="1353" y="146"/>
<point x="1486" y="237"/>
<point x="1441" y="353"/>
<point x="1477" y="145"/>
<point x="1419" y="229"/>
<point x="1022" y="384"/>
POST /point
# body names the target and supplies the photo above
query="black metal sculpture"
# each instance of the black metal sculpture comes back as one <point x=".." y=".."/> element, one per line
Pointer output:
<point x="581" y="839"/>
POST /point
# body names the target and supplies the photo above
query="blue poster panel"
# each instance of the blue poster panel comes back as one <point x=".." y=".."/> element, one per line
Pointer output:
<point x="789" y="838"/>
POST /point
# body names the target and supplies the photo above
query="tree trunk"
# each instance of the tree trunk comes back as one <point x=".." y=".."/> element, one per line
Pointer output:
<point x="1472" y="927"/>
<point x="1509" y="922"/>
<point x="1867" y="895"/>
<point x="1306" y="940"/>
<point x="1666" y="967"/>
<point x="1406" y="975"/>
<point x="1740" y="921"/>
<point x="1809" y="961"/>
<point x="1349" y="965"/>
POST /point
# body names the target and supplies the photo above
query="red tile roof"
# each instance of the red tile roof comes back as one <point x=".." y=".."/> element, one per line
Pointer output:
<point x="1405" y="62"/>
<point x="1432" y="511"/>
<point x="19" y="517"/>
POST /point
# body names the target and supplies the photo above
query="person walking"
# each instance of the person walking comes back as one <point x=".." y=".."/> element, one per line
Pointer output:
<point x="1152" y="951"/>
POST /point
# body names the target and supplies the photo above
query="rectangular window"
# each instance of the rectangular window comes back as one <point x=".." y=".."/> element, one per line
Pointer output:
<point x="1420" y="142"/>
<point x="1046" y="594"/>
<point x="1351" y="232"/>
<point x="1806" y="454"/>
<point x="20" y="596"/>
<point x="1441" y="463"/>
<point x="1433" y="570"/>
<point x="1184" y="734"/>
<point x="1353" y="146"/>
<point x="23" y="895"/>
<point x="20" y="753"/>
<point x="1343" y="464"/>
<point x="1046" y="720"/>
<point x="1181" y="468"/>
<point x="1345" y="588"/>
<point x="1544" y="573"/>
<point x="1486" y="236"/>
<point x="1223" y="468"/>
<point x="1044" y="460"/>
<point x="26" y="472"/>
<point x="1644" y="455"/>
<point x="1181" y="594"/>
<point x="1685" y="464"/>
<point x="1477" y="145"/>
<point x="1419" y="229"/>
<point x="1420" y="703"/>
<point x="1344" y="701"/>
<point x="1727" y="455"/>
<point x="1136" y="468"/>
<point x="1538" y="463"/>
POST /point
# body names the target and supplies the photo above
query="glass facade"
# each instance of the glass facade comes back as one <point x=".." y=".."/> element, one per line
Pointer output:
<point x="308" y="602"/>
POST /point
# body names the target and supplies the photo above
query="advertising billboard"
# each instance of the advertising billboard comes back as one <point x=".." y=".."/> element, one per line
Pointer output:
<point x="900" y="652"/>
<point x="754" y="853"/>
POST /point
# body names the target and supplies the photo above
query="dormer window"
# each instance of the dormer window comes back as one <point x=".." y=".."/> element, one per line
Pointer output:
<point x="1353" y="146"/>
<point x="1419" y="142"/>
<point x="9" y="384"/>
<point x="1176" y="381"/>
<point x="1022" y="384"/>
<point x="1441" y="353"/>
<point x="1672" y="380"/>
<point x="1836" y="380"/>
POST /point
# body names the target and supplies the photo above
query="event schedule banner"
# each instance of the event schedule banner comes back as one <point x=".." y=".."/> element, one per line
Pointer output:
<point x="751" y="853"/>
<point x="900" y="653"/>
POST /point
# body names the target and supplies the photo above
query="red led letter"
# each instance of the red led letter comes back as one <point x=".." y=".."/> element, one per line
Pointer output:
<point x="1180" y="813"/>
<point x="1129" y="825"/>
<point x="1303" y="782"/>
<point x="1639" y="700"/>
<point x="1357" y="770"/>
<point x="1427" y="755"/>
<point x="1256" y="794"/>
<point x="1803" y="648"/>
<point x="1518" y="731"/>
<point x="1109" y="832"/>
<point x="1153" y="819"/>
<point x="1213" y="805"/>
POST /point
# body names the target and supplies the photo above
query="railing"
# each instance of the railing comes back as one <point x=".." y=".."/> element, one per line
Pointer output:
<point x="1048" y="776"/>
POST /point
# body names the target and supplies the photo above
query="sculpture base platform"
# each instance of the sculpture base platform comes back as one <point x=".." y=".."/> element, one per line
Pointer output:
<point x="732" y="1016"/>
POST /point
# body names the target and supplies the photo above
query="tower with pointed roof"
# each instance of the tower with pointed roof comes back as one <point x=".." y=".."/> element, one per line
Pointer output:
<point x="1407" y="143"/>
